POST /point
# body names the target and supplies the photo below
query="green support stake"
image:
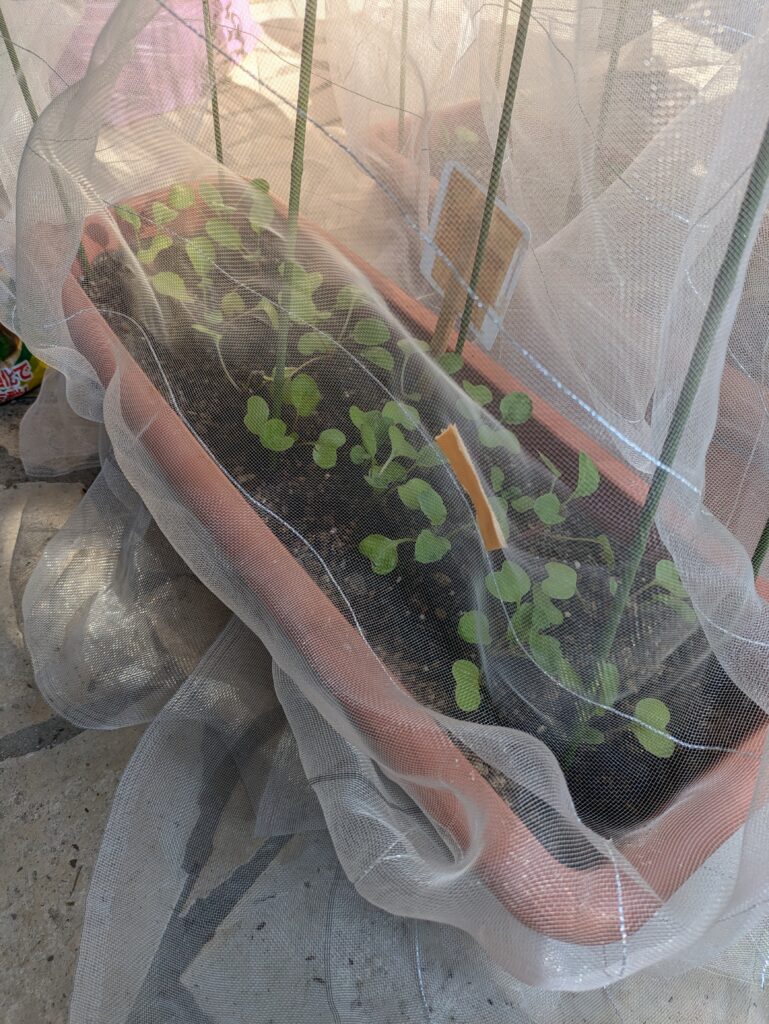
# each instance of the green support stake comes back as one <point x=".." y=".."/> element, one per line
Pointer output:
<point x="404" y="65"/>
<point x="212" y="86"/>
<point x="724" y="285"/>
<point x="21" y="78"/>
<point x="496" y="169"/>
<point x="13" y="57"/>
<point x="295" y="188"/>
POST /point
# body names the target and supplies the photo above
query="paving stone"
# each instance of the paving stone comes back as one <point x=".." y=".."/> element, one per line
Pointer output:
<point x="53" y="809"/>
<point x="56" y="784"/>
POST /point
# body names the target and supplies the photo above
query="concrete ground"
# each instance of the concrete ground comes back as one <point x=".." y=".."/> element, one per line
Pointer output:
<point x="56" y="783"/>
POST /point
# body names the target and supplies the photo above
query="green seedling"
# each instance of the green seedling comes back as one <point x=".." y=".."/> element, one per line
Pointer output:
<point x="387" y="446"/>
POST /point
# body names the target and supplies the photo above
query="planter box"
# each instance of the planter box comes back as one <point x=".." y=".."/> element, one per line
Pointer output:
<point x="512" y="862"/>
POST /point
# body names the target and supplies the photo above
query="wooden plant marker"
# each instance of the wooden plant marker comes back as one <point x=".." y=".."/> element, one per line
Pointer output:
<point x="453" y="447"/>
<point x="456" y="224"/>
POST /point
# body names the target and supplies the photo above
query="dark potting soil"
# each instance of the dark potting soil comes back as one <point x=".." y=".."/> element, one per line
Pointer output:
<point x="410" y="616"/>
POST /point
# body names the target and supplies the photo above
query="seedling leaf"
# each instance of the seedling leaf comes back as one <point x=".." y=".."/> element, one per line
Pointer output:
<point x="430" y="456"/>
<point x="400" y="446"/>
<point x="411" y="345"/>
<point x="212" y="197"/>
<point x="297" y="296"/>
<point x="209" y="331"/>
<point x="369" y="425"/>
<point x="370" y="331"/>
<point x="680" y="605"/>
<point x="200" y="252"/>
<point x="546" y="652"/>
<point x="130" y="216"/>
<point x="467" y="684"/>
<point x="521" y="624"/>
<point x="232" y="303"/>
<point x="181" y="197"/>
<point x="588" y="477"/>
<point x="474" y="628"/>
<point x="155" y="247"/>
<point x="350" y="296"/>
<point x="587" y="735"/>
<point x="272" y="314"/>
<point x="498" y="437"/>
<point x="510" y="584"/>
<point x="652" y="717"/>
<point x="224" y="234"/>
<point x="359" y="455"/>
<point x="429" y="547"/>
<point x="325" y="449"/>
<point x="499" y="507"/>
<point x="405" y="415"/>
<point x="561" y="582"/>
<point x="523" y="504"/>
<point x="304" y="394"/>
<point x="418" y="494"/>
<point x="607" y="552"/>
<point x="380" y="479"/>
<point x="545" y="613"/>
<point x="313" y="342"/>
<point x="515" y="408"/>
<point x="550" y="465"/>
<point x="274" y="436"/>
<point x="167" y="283"/>
<point x="261" y="212"/>
<point x="162" y="214"/>
<point x="666" y="575"/>
<point x="478" y="392"/>
<point x="547" y="508"/>
<point x="379" y="357"/>
<point x="450" y="362"/>
<point x="381" y="551"/>
<point x="257" y="414"/>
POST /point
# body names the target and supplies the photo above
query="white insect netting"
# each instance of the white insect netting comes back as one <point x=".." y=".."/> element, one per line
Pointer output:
<point x="430" y="738"/>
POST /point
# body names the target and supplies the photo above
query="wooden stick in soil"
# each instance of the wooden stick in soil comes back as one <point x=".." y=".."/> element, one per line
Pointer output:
<point x="454" y="297"/>
<point x="726" y="279"/>
<point x="496" y="168"/>
<point x="295" y="190"/>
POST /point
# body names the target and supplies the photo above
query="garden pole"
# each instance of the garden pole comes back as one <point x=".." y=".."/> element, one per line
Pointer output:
<point x="724" y="285"/>
<point x="496" y="168"/>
